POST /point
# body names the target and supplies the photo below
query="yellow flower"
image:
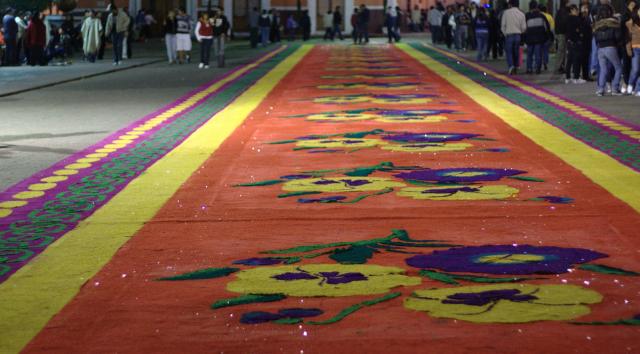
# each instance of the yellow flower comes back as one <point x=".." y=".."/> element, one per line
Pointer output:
<point x="340" y="184"/>
<point x="339" y="143"/>
<point x="404" y="100"/>
<point x="343" y="99"/>
<point x="321" y="280"/>
<point x="410" y="119"/>
<point x="505" y="303"/>
<point x="457" y="192"/>
<point x="428" y="147"/>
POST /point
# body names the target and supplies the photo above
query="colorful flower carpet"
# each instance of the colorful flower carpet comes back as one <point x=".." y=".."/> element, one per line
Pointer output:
<point x="336" y="199"/>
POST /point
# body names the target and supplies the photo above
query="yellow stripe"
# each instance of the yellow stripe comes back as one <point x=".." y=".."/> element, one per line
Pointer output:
<point x="41" y="288"/>
<point x="560" y="101"/>
<point x="618" y="179"/>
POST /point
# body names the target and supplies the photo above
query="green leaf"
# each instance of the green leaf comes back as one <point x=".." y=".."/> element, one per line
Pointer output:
<point x="603" y="269"/>
<point x="526" y="178"/>
<point x="623" y="322"/>
<point x="360" y="172"/>
<point x="360" y="135"/>
<point x="283" y="142"/>
<point x="208" y="273"/>
<point x="441" y="277"/>
<point x="353" y="255"/>
<point x="260" y="183"/>
<point x="247" y="299"/>
<point x="353" y="308"/>
<point x="294" y="194"/>
<point x="292" y="260"/>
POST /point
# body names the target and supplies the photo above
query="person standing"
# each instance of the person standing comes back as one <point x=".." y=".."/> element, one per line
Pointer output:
<point x="10" y="29"/>
<point x="561" y="39"/>
<point x="254" y="18"/>
<point x="204" y="35"/>
<point x="435" y="24"/>
<point x="625" y="51"/>
<point x="513" y="25"/>
<point x="354" y="25"/>
<point x="547" y="45"/>
<point x="276" y="23"/>
<point x="574" y="46"/>
<point x="183" y="36"/>
<point x="634" y="81"/>
<point x="363" y="24"/>
<point x="327" y="21"/>
<point x="608" y="38"/>
<point x="586" y="24"/>
<point x="481" y="26"/>
<point x="21" y="21"/>
<point x="536" y="35"/>
<point x="170" y="29"/>
<point x="36" y="40"/>
<point x="448" y="24"/>
<point x="390" y="23"/>
<point x="462" y="28"/>
<point x="116" y="28"/>
<point x="337" y="23"/>
<point x="416" y="18"/>
<point x="265" y="26"/>
<point x="91" y="35"/>
<point x="221" y="28"/>
<point x="496" y="39"/>
<point x="292" y="27"/>
<point x="305" y="23"/>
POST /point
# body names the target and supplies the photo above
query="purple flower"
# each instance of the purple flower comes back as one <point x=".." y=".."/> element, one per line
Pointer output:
<point x="405" y="96"/>
<point x="428" y="137"/>
<point x="328" y="277"/>
<point x="555" y="200"/>
<point x="259" y="317"/>
<point x="420" y="112"/>
<point x="487" y="297"/>
<point x="459" y="175"/>
<point x="332" y="199"/>
<point x="505" y="259"/>
<point x="259" y="261"/>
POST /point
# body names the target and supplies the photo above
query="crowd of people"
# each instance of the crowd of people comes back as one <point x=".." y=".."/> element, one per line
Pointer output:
<point x="592" y="43"/>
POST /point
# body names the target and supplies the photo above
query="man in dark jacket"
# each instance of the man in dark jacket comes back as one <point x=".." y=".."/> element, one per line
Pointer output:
<point x="363" y="24"/>
<point x="535" y="37"/>
<point x="305" y="23"/>
<point x="337" y="22"/>
<point x="561" y="39"/>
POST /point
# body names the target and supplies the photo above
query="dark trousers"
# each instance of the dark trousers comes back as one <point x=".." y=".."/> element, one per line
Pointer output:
<point x="36" y="56"/>
<point x="448" y="36"/>
<point x="585" y="59"/>
<point x="435" y="34"/>
<point x="10" y="52"/>
<point x="363" y="33"/>
<point x="253" y="37"/>
<point x="392" y="34"/>
<point x="337" y="31"/>
<point x="306" y="33"/>
<point x="328" y="33"/>
<point x="205" y="50"/>
<point x="574" y="51"/>
<point x="116" y="39"/>
<point x="626" y="65"/>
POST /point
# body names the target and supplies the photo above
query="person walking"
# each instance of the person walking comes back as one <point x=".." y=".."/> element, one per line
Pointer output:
<point x="575" y="37"/>
<point x="513" y="25"/>
<point x="354" y="26"/>
<point x="608" y="38"/>
<point x="116" y="28"/>
<point x="265" y="26"/>
<point x="170" y="29"/>
<point x="561" y="39"/>
<point x="10" y="30"/>
<point x="221" y="29"/>
<point x="634" y="80"/>
<point x="363" y="24"/>
<point x="481" y="25"/>
<point x="183" y="36"/>
<point x="36" y="40"/>
<point x="536" y="35"/>
<point x="254" y="27"/>
<point x="204" y="35"/>
<point x="327" y="21"/>
<point x="91" y="31"/>
<point x="337" y="23"/>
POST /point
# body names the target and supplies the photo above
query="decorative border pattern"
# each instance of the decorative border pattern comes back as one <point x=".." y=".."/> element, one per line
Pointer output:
<point x="618" y="140"/>
<point x="46" y="206"/>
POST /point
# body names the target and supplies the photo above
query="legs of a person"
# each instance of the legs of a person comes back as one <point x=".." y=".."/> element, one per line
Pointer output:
<point x="537" y="55"/>
<point x="561" y="54"/>
<point x="611" y="54"/>
<point x="509" y="44"/>
<point x="116" y="40"/>
<point x="570" y="62"/>
<point x="464" y="38"/>
<point x="545" y="53"/>
<point x="603" y="72"/>
<point x="530" y="55"/>
<point x="594" y="62"/>
<point x="577" y="55"/>
<point x="635" y="70"/>
<point x="167" y="42"/>
<point x="626" y="65"/>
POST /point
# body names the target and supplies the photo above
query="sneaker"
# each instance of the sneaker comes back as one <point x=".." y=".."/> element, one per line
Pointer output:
<point x="115" y="63"/>
<point x="567" y="81"/>
<point x="206" y="66"/>
<point x="617" y="93"/>
<point x="637" y="94"/>
<point x="512" y="70"/>
<point x="629" y="90"/>
<point x="200" y="66"/>
<point x="599" y="93"/>
<point x="608" y="88"/>
<point x="579" y="81"/>
<point x="593" y="73"/>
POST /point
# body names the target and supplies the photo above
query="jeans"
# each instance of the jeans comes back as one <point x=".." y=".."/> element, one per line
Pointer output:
<point x="117" y="38"/>
<point x="483" y="45"/>
<point x="545" y="52"/>
<point x="512" y="49"/>
<point x="337" y="31"/>
<point x="392" y="34"/>
<point x="218" y="46"/>
<point x="461" y="37"/>
<point x="205" y="50"/>
<point x="561" y="55"/>
<point x="609" y="56"/>
<point x="264" y="35"/>
<point x="635" y="70"/>
<point x="594" y="56"/>
<point x="435" y="34"/>
<point x="534" y="54"/>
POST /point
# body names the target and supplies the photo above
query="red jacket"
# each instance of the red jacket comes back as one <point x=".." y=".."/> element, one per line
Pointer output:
<point x="36" y="34"/>
<point x="206" y="30"/>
